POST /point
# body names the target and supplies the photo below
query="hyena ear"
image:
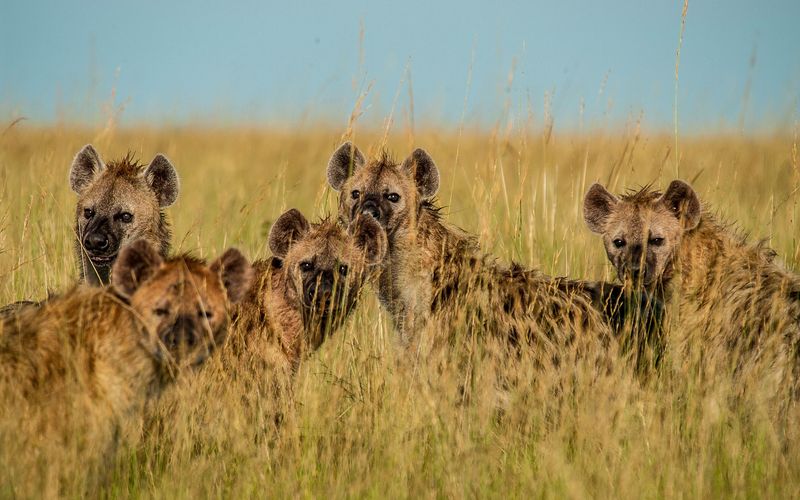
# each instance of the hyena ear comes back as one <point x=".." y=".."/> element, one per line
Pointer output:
<point x="424" y="171"/>
<point x="345" y="160"/>
<point x="236" y="273"/>
<point x="597" y="206"/>
<point x="86" y="165"/>
<point x="163" y="180"/>
<point x="290" y="227"/>
<point x="370" y="237"/>
<point x="681" y="200"/>
<point x="135" y="264"/>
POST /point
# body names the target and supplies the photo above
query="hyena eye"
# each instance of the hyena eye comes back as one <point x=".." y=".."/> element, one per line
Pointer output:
<point x="161" y="311"/>
<point x="393" y="197"/>
<point x="343" y="270"/>
<point x="88" y="213"/>
<point x="656" y="242"/>
<point x="619" y="243"/>
<point x="205" y="314"/>
<point x="306" y="266"/>
<point x="125" y="217"/>
<point x="355" y="194"/>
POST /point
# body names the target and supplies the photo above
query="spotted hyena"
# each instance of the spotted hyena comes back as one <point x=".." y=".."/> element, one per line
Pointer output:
<point x="306" y="291"/>
<point x="434" y="277"/>
<point x="119" y="202"/>
<point x="734" y="296"/>
<point x="86" y="362"/>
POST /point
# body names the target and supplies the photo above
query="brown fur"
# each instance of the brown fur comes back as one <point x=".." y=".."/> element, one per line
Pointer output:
<point x="108" y="195"/>
<point x="283" y="317"/>
<point x="88" y="361"/>
<point x="434" y="279"/>
<point x="733" y="296"/>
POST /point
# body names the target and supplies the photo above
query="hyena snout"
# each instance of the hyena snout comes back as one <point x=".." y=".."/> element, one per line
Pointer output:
<point x="637" y="265"/>
<point x="372" y="206"/>
<point x="634" y="263"/>
<point x="320" y="290"/>
<point x="183" y="332"/>
<point x="99" y="240"/>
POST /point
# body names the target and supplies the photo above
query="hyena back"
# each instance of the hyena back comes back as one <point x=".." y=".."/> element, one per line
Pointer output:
<point x="119" y="202"/>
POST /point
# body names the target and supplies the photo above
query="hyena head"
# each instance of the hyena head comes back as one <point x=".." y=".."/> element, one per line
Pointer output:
<point x="181" y="302"/>
<point x="391" y="193"/>
<point x="118" y="203"/>
<point x="642" y="231"/>
<point x="326" y="266"/>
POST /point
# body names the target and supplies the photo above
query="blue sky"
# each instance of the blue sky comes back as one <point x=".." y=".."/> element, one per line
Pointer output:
<point x="301" y="62"/>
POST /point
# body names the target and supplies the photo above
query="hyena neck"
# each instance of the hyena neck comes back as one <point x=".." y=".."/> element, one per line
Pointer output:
<point x="706" y="253"/>
<point x="149" y="376"/>
<point x="406" y="281"/>
<point x="285" y="313"/>
<point x="127" y="363"/>
<point x="163" y="234"/>
<point x="94" y="275"/>
<point x="261" y="324"/>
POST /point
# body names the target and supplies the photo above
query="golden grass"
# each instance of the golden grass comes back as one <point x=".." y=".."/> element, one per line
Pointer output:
<point x="364" y="421"/>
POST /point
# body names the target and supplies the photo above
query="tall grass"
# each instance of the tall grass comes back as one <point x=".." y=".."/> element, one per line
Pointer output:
<point x="363" y="420"/>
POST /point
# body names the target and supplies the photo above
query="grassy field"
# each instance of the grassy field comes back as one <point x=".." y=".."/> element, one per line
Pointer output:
<point x="365" y="421"/>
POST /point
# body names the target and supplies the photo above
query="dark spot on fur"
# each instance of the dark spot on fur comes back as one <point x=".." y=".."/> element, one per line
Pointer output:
<point x="508" y="305"/>
<point x="513" y="338"/>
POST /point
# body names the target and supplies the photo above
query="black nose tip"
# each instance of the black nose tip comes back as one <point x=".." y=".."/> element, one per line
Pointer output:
<point x="181" y="332"/>
<point x="96" y="241"/>
<point x="320" y="295"/>
<point x="373" y="211"/>
<point x="175" y="338"/>
<point x="189" y="338"/>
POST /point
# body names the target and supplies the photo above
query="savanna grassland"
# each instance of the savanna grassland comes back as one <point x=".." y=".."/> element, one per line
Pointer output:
<point x="365" y="421"/>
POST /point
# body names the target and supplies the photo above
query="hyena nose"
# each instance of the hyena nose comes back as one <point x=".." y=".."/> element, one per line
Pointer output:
<point x="636" y="255"/>
<point x="374" y="212"/>
<point x="370" y="208"/>
<point x="320" y="294"/>
<point x="181" y="333"/>
<point x="96" y="241"/>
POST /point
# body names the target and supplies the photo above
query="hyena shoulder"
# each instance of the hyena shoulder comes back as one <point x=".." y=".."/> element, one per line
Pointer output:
<point x="259" y="321"/>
